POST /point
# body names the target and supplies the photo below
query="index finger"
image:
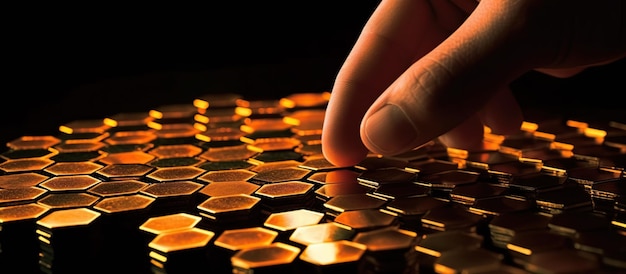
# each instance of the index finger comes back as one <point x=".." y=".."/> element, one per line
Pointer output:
<point x="397" y="33"/>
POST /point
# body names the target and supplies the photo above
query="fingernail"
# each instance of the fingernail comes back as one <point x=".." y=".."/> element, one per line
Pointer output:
<point x="389" y="129"/>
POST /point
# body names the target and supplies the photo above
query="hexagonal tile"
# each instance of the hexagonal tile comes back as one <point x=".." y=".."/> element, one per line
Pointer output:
<point x="70" y="183"/>
<point x="21" y="165"/>
<point x="165" y="174"/>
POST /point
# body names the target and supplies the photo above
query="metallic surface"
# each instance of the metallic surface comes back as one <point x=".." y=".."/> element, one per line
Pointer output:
<point x="229" y="185"/>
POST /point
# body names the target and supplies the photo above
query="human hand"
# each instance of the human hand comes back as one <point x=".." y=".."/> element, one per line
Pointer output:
<point x="427" y="69"/>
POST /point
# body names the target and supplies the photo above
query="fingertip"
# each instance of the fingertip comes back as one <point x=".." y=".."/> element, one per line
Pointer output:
<point x="343" y="154"/>
<point x="502" y="114"/>
<point x="389" y="131"/>
<point x="341" y="143"/>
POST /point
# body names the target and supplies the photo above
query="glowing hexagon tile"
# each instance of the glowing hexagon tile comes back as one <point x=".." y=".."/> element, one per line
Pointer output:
<point x="165" y="174"/>
<point x="387" y="239"/>
<point x="450" y="217"/>
<point x="225" y="133"/>
<point x="68" y="218"/>
<point x="227" y="175"/>
<point x="310" y="150"/>
<point x="128" y="119"/>
<point x="448" y="179"/>
<point x="292" y="219"/>
<point x="275" y="156"/>
<point x="221" y="115"/>
<point x="326" y="192"/>
<point x="365" y="219"/>
<point x="79" y="147"/>
<point x="434" y="244"/>
<point x="318" y="163"/>
<point x="124" y="171"/>
<point x="21" y="165"/>
<point x="68" y="200"/>
<point x="313" y="139"/>
<point x="73" y="168"/>
<point x="379" y="177"/>
<point x="131" y="137"/>
<point x="264" y="125"/>
<point x="224" y="206"/>
<point x="285" y="195"/>
<point x="175" y="151"/>
<point x="171" y="189"/>
<point x="70" y="183"/>
<point x="348" y="202"/>
<point x="215" y="166"/>
<point x="282" y="190"/>
<point x="85" y="137"/>
<point x="263" y="257"/>
<point x="28" y="153"/>
<point x="373" y="162"/>
<point x="229" y="188"/>
<point x="170" y="222"/>
<point x="64" y="233"/>
<point x="225" y="117"/>
<point x="79" y="156"/>
<point x="308" y="128"/>
<point x="219" y="100"/>
<point x="265" y="107"/>
<point x="220" y="134"/>
<point x="115" y="188"/>
<point x="275" y="165"/>
<point x="334" y="253"/>
<point x="281" y="175"/>
<point x="133" y="157"/>
<point x="224" y="123"/>
<point x="173" y="112"/>
<point x="22" y="195"/>
<point x="174" y="131"/>
<point x="34" y="142"/>
<point x="21" y="180"/>
<point x="314" y="116"/>
<point x="321" y="233"/>
<point x="430" y="166"/>
<point x="85" y="126"/>
<point x="343" y="176"/>
<point x="305" y="100"/>
<point x="228" y="153"/>
<point x="166" y="244"/>
<point x="242" y="238"/>
<point x="173" y="162"/>
<point x="123" y="203"/>
<point x="274" y="144"/>
<point x="17" y="213"/>
<point x="119" y="148"/>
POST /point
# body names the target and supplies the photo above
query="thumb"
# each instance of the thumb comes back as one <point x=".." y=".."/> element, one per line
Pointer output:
<point x="452" y="82"/>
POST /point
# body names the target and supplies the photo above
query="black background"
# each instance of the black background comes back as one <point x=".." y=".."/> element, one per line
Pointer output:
<point x="73" y="62"/>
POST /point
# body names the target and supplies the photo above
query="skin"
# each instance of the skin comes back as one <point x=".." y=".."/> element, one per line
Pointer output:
<point x="427" y="69"/>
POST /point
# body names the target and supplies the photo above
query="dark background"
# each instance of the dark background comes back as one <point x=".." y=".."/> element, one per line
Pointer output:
<point x="87" y="62"/>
